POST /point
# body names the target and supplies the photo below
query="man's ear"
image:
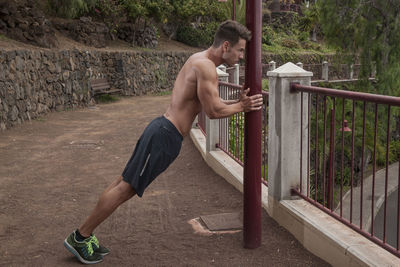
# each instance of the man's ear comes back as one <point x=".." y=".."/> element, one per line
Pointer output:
<point x="225" y="46"/>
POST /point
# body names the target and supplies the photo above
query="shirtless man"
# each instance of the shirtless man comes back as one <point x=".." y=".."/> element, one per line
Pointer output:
<point x="196" y="87"/>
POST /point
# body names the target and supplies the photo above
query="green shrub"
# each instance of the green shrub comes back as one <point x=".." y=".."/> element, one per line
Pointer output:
<point x="290" y="43"/>
<point x="394" y="149"/>
<point x="268" y="35"/>
<point x="70" y="8"/>
<point x="199" y="36"/>
<point x="265" y="85"/>
<point x="106" y="98"/>
<point x="191" y="10"/>
<point x="303" y="36"/>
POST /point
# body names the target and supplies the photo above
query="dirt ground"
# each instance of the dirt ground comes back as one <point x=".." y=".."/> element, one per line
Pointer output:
<point x="53" y="169"/>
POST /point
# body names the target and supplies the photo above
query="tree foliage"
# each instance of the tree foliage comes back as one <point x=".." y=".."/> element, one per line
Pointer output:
<point x="70" y="8"/>
<point x="157" y="10"/>
<point x="371" y="29"/>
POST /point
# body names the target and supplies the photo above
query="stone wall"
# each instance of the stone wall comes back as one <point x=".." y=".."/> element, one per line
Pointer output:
<point x="33" y="83"/>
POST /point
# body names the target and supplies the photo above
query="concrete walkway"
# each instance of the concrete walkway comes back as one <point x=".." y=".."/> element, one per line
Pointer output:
<point x="53" y="169"/>
<point x="367" y="200"/>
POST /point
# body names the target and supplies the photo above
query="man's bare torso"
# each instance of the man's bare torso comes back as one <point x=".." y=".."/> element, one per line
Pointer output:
<point x="185" y="104"/>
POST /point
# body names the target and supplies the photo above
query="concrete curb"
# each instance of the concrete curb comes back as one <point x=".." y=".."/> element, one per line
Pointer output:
<point x="319" y="233"/>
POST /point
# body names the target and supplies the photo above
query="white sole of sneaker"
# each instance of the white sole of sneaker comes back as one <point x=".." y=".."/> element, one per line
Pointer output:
<point x="76" y="254"/>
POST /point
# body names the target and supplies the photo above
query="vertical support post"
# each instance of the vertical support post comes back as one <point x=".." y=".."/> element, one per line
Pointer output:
<point x="325" y="71"/>
<point x="252" y="160"/>
<point x="272" y="65"/>
<point x="237" y="74"/>
<point x="299" y="64"/>
<point x="373" y="71"/>
<point x="222" y="75"/>
<point x="286" y="134"/>
<point x="222" y="67"/>
<point x="233" y="9"/>
<point x="351" y="75"/>
<point x="212" y="132"/>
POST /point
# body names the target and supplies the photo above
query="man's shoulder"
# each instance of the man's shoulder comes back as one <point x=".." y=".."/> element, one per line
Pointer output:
<point x="201" y="61"/>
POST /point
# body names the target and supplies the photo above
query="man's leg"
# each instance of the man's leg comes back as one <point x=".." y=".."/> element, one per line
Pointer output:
<point x="113" y="196"/>
<point x="82" y="243"/>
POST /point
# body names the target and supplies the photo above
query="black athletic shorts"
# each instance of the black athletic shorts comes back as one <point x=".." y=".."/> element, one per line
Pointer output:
<point x="155" y="150"/>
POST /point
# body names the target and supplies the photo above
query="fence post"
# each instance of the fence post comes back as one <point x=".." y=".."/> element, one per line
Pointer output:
<point x="212" y="132"/>
<point x="237" y="73"/>
<point x="272" y="65"/>
<point x="325" y="71"/>
<point x="212" y="126"/>
<point x="221" y="72"/>
<point x="351" y="71"/>
<point x="284" y="141"/>
<point x="299" y="64"/>
<point x="373" y="71"/>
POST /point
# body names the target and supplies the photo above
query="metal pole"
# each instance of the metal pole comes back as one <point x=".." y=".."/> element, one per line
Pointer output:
<point x="233" y="9"/>
<point x="252" y="161"/>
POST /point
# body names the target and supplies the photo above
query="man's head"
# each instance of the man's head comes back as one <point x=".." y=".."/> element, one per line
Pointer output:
<point x="230" y="31"/>
<point x="232" y="36"/>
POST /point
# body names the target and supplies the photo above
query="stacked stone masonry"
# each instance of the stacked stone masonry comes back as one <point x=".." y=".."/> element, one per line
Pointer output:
<point x="33" y="83"/>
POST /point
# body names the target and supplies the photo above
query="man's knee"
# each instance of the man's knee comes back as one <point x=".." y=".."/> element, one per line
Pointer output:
<point x="125" y="190"/>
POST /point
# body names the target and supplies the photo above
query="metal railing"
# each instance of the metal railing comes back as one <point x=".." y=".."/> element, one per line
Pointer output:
<point x="231" y="130"/>
<point x="352" y="173"/>
<point x="201" y="122"/>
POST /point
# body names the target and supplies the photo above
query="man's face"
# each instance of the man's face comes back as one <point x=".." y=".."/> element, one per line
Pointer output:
<point x="232" y="54"/>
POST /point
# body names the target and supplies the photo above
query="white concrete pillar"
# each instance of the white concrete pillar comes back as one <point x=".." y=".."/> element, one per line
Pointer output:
<point x="299" y="64"/>
<point x="272" y="65"/>
<point x="212" y="132"/>
<point x="222" y="75"/>
<point x="351" y="72"/>
<point x="325" y="71"/>
<point x="373" y="71"/>
<point x="222" y="67"/>
<point x="237" y="74"/>
<point x="284" y="131"/>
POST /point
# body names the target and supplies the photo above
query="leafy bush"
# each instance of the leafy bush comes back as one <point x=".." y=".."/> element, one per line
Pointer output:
<point x="303" y="36"/>
<point x="70" y="8"/>
<point x="289" y="43"/>
<point x="394" y="151"/>
<point x="199" y="36"/>
<point x="240" y="10"/>
<point x="265" y="84"/>
<point x="190" y="10"/>
<point x="158" y="10"/>
<point x="268" y="35"/>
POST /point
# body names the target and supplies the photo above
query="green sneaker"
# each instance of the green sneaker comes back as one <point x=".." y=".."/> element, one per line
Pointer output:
<point x="98" y="249"/>
<point x="82" y="250"/>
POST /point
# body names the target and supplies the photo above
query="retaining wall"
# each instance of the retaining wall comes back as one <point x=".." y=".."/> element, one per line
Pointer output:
<point x="35" y="82"/>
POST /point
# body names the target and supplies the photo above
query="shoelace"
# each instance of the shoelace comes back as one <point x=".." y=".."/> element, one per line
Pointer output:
<point x="93" y="240"/>
<point x="89" y="247"/>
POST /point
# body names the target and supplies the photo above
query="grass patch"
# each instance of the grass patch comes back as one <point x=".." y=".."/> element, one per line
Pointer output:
<point x="162" y="93"/>
<point x="106" y="98"/>
<point x="41" y="119"/>
<point x="265" y="85"/>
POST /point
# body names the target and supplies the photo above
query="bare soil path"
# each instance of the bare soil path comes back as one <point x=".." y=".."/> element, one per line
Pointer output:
<point x="53" y="169"/>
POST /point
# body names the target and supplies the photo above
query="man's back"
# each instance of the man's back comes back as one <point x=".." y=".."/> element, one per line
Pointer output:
<point x="185" y="104"/>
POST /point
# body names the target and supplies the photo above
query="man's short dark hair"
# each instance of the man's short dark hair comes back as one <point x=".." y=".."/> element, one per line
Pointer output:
<point x="230" y="31"/>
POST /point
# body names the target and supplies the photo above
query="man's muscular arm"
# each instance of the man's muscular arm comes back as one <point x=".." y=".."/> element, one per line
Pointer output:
<point x="229" y="101"/>
<point x="207" y="92"/>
